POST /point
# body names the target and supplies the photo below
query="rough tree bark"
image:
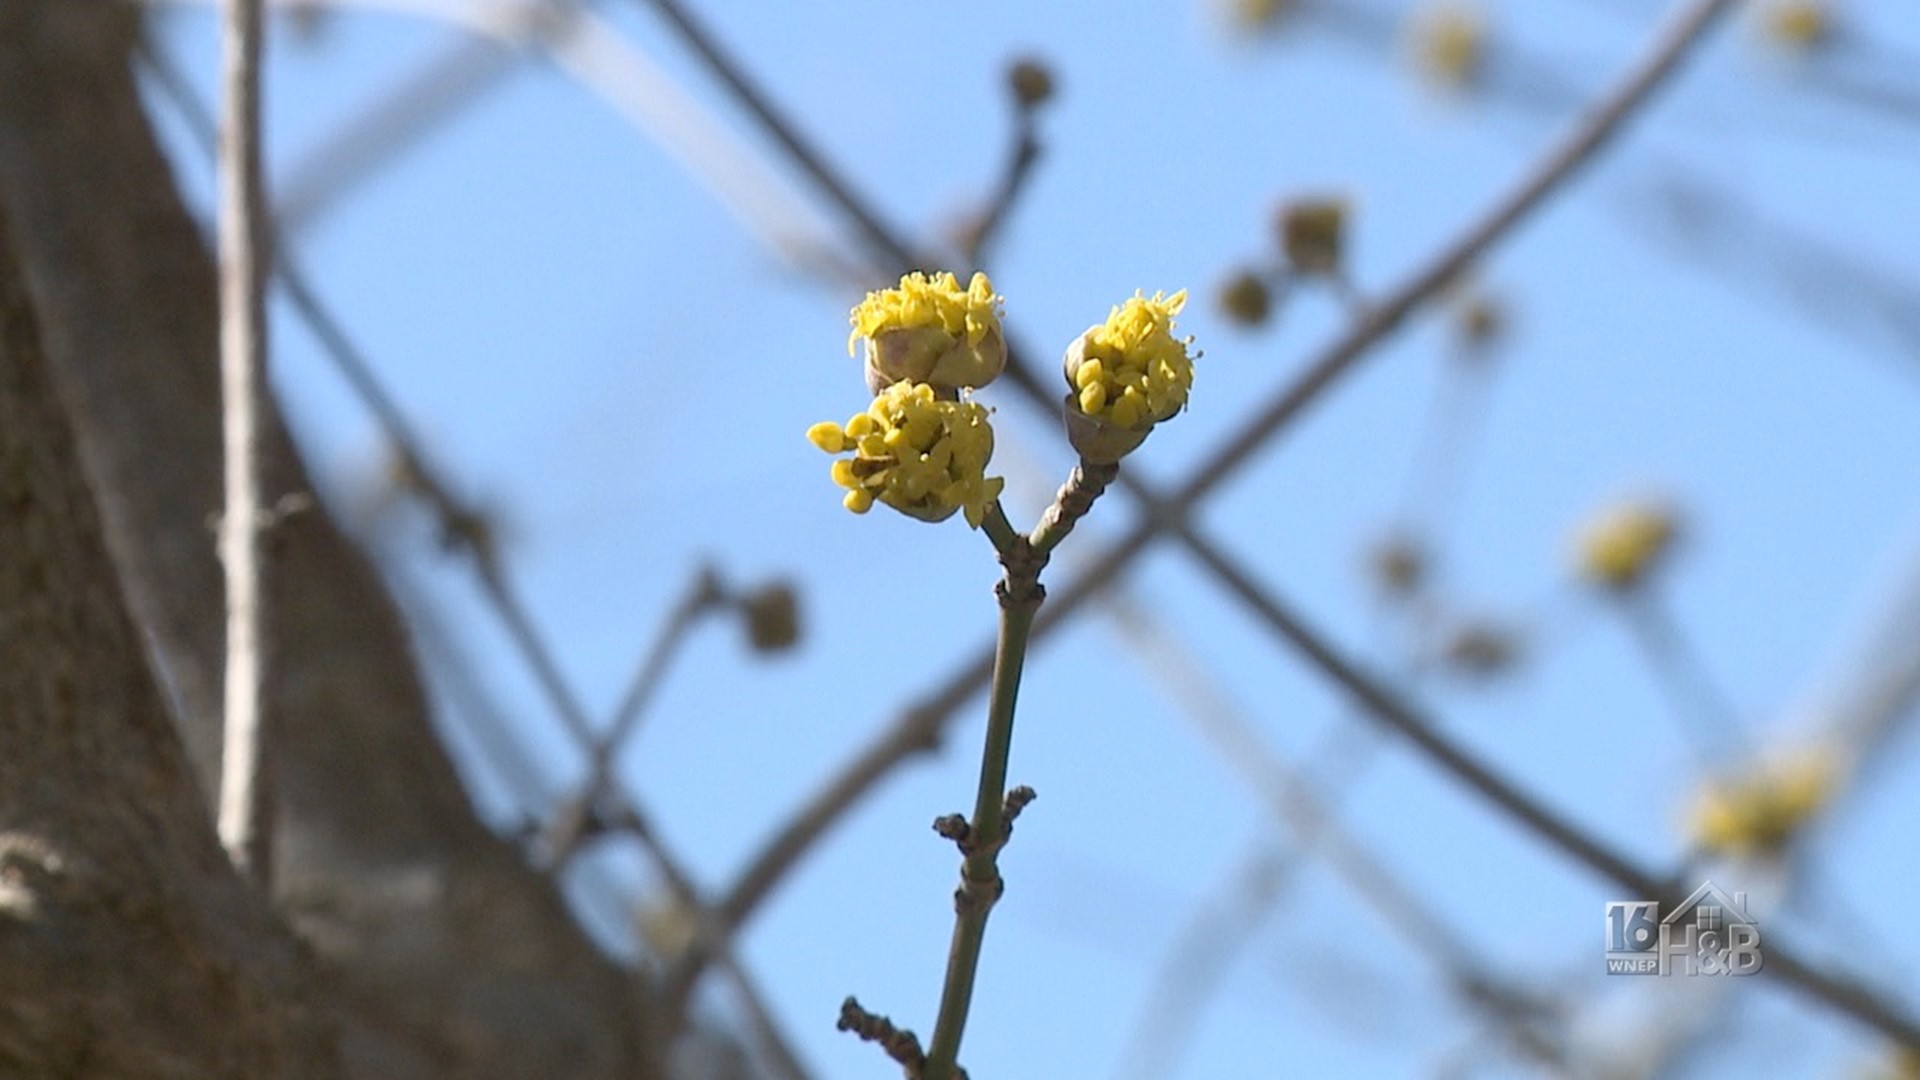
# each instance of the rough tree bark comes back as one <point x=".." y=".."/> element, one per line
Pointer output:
<point x="446" y="955"/>
<point x="128" y="946"/>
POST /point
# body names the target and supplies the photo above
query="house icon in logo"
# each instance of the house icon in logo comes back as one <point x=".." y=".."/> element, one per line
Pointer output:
<point x="1710" y="932"/>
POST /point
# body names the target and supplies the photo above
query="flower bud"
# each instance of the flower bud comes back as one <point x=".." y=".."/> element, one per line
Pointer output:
<point x="1479" y="322"/>
<point x="1399" y="564"/>
<point x="1480" y="649"/>
<point x="1450" y="44"/>
<point x="1246" y="299"/>
<point x="1313" y="234"/>
<point x="927" y="354"/>
<point x="1621" y="545"/>
<point x="1799" y="26"/>
<point x="1256" y="15"/>
<point x="1099" y="441"/>
<point x="772" y="616"/>
<point x="1031" y="81"/>
<point x="1758" y="813"/>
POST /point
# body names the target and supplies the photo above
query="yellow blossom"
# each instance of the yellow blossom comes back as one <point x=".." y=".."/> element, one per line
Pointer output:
<point x="1126" y="375"/>
<point x="1618" y="548"/>
<point x="1258" y="14"/>
<point x="1901" y="1063"/>
<point x="1313" y="233"/>
<point x="1131" y="369"/>
<point x="930" y="330"/>
<point x="1798" y="25"/>
<point x="1759" y="812"/>
<point x="915" y="451"/>
<point x="1450" y="44"/>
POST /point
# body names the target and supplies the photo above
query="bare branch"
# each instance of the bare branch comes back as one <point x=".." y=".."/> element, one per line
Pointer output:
<point x="878" y="236"/>
<point x="246" y="802"/>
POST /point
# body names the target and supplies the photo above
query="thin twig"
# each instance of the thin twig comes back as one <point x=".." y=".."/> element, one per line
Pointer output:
<point x="1703" y="709"/>
<point x="433" y="93"/>
<point x="246" y="801"/>
<point x="706" y="593"/>
<point x="918" y="728"/>
<point x="1842" y="992"/>
<point x="1388" y="708"/>
<point x="986" y="833"/>
<point x="601" y="59"/>
<point x="1013" y="180"/>
<point x="1199" y="959"/>
<point x="784" y="131"/>
<point x="625" y="808"/>
<point x="1453" y="421"/>
<point x="916" y="731"/>
<point x="1662" y="59"/>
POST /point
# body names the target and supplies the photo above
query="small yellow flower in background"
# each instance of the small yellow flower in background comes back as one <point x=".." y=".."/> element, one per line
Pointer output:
<point x="1258" y="14"/>
<point x="1313" y="234"/>
<point x="1619" y="547"/>
<point x="916" y="452"/>
<point x="1449" y="44"/>
<point x="1759" y="812"/>
<point x="929" y="330"/>
<point x="667" y="926"/>
<point x="1246" y="299"/>
<point x="1900" y="1063"/>
<point x="1798" y="25"/>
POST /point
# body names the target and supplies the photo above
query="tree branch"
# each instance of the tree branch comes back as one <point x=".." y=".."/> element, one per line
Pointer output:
<point x="246" y="802"/>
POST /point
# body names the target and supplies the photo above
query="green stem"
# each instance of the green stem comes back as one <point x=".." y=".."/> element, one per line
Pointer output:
<point x="1086" y="484"/>
<point x="980" y="874"/>
<point x="1000" y="530"/>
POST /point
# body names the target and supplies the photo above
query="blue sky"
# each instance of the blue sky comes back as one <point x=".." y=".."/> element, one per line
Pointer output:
<point x="593" y="343"/>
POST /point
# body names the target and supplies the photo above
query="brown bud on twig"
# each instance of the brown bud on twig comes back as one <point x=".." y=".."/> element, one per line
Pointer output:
<point x="1031" y="81"/>
<point x="1246" y="299"/>
<point x="773" y="617"/>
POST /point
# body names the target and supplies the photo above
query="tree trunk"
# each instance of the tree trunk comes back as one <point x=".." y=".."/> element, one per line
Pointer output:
<point x="449" y="956"/>
<point x="128" y="946"/>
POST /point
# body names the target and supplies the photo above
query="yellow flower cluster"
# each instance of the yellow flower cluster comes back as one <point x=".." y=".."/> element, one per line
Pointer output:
<point x="930" y="330"/>
<point x="1131" y="371"/>
<point x="1621" y="545"/>
<point x="1756" y="814"/>
<point x="916" y="452"/>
